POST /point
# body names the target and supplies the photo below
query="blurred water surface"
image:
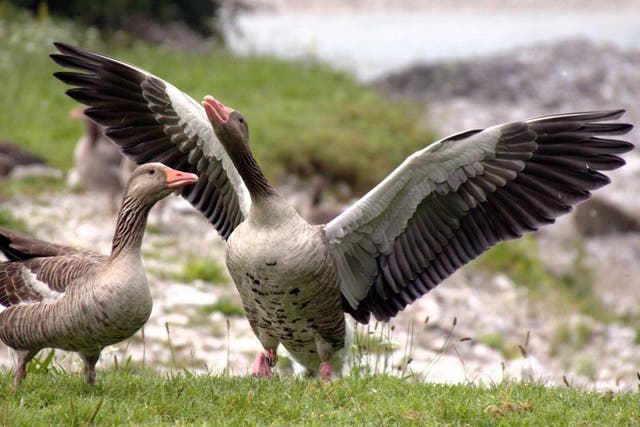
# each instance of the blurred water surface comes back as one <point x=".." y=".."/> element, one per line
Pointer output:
<point x="371" y="43"/>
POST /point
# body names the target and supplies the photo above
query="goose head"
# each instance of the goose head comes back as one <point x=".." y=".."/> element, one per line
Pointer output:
<point x="230" y="125"/>
<point x="154" y="181"/>
<point x="232" y="131"/>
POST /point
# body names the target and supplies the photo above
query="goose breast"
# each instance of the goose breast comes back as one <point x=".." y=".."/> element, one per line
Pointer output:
<point x="288" y="283"/>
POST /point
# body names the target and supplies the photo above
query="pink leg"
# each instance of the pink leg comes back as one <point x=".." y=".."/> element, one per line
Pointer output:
<point x="21" y="373"/>
<point x="261" y="366"/>
<point x="325" y="371"/>
<point x="24" y="356"/>
<point x="90" y="367"/>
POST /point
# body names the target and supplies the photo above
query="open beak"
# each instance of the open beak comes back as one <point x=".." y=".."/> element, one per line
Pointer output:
<point x="176" y="179"/>
<point x="216" y="110"/>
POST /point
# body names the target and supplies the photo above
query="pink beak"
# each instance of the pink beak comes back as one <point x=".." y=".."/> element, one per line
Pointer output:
<point x="216" y="111"/>
<point x="176" y="178"/>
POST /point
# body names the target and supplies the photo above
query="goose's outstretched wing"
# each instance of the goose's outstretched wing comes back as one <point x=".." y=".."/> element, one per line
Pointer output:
<point x="17" y="246"/>
<point x="39" y="270"/>
<point x="451" y="201"/>
<point x="153" y="121"/>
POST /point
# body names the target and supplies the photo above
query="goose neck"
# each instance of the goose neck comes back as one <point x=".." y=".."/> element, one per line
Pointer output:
<point x="272" y="212"/>
<point x="252" y="175"/>
<point x="130" y="225"/>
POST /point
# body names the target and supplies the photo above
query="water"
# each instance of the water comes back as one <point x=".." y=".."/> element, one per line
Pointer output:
<point x="375" y="42"/>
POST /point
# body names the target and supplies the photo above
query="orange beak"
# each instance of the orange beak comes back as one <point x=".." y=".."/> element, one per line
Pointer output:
<point x="216" y="111"/>
<point x="176" y="178"/>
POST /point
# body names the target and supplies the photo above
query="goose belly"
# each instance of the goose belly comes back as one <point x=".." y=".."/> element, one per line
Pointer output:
<point x="84" y="320"/>
<point x="290" y="291"/>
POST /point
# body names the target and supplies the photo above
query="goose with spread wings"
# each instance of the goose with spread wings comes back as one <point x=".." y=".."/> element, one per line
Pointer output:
<point x="442" y="207"/>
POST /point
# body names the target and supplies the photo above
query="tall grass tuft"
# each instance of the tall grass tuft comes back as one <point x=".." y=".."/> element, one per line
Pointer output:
<point x="374" y="348"/>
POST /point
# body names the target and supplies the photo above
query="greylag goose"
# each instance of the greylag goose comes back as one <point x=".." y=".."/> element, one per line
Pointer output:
<point x="443" y="206"/>
<point x="98" y="164"/>
<point x="79" y="300"/>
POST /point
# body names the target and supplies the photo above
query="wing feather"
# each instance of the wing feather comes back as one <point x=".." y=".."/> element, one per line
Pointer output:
<point x="151" y="120"/>
<point x="453" y="200"/>
<point x="39" y="270"/>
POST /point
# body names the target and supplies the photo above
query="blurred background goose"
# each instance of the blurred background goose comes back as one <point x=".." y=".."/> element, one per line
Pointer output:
<point x="79" y="300"/>
<point x="98" y="164"/>
<point x="443" y="206"/>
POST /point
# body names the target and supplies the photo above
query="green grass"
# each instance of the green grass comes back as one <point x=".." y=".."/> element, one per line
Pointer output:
<point x="300" y="114"/>
<point x="207" y="269"/>
<point x="226" y="305"/>
<point x="497" y="341"/>
<point x="7" y="219"/>
<point x="121" y="398"/>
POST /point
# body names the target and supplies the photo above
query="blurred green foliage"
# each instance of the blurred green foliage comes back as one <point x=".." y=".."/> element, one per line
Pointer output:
<point x="519" y="260"/>
<point x="207" y="269"/>
<point x="225" y="305"/>
<point x="112" y="15"/>
<point x="7" y="219"/>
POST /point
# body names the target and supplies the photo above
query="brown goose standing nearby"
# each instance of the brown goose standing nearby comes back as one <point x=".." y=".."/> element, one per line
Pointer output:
<point x="442" y="207"/>
<point x="79" y="300"/>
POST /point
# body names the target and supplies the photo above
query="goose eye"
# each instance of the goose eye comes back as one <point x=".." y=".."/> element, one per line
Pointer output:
<point x="151" y="171"/>
<point x="241" y="120"/>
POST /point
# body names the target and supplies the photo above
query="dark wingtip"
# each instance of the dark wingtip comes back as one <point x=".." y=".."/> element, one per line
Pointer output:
<point x="79" y="95"/>
<point x="65" y="48"/>
<point x="626" y="146"/>
<point x="624" y="128"/>
<point x="584" y="116"/>
<point x="614" y="114"/>
<point x="606" y="114"/>
<point x="64" y="76"/>
<point x="58" y="58"/>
